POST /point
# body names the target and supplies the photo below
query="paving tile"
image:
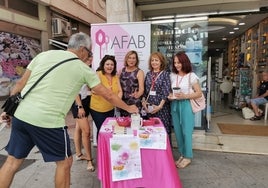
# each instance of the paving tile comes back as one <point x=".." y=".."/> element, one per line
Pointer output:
<point x="214" y="165"/>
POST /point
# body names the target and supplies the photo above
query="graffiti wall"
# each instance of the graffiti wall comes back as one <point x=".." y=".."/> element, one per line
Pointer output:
<point x="15" y="54"/>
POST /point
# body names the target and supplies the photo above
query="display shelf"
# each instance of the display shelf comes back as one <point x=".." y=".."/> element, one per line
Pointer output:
<point x="263" y="46"/>
<point x="243" y="87"/>
<point x="249" y="51"/>
<point x="234" y="50"/>
<point x="245" y="82"/>
<point x="251" y="41"/>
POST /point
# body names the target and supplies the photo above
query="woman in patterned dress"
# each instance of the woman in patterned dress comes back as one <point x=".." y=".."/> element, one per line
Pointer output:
<point x="157" y="88"/>
<point x="132" y="81"/>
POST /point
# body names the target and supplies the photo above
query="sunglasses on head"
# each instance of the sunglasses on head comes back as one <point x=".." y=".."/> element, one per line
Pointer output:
<point x="109" y="57"/>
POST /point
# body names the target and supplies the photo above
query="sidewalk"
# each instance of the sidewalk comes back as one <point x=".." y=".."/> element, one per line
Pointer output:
<point x="208" y="170"/>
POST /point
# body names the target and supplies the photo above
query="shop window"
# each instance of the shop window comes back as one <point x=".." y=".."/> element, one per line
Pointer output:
<point x="191" y="37"/>
<point x="24" y="6"/>
<point x="2" y="2"/>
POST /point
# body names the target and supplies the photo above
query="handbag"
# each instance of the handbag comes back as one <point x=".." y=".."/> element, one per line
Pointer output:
<point x="197" y="104"/>
<point x="247" y="113"/>
<point x="13" y="101"/>
<point x="11" y="104"/>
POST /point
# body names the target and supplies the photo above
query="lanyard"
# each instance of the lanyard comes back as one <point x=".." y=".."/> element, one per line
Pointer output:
<point x="152" y="85"/>
<point x="154" y="78"/>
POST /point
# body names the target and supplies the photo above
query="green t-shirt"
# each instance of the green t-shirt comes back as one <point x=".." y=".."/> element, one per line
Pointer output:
<point x="49" y="102"/>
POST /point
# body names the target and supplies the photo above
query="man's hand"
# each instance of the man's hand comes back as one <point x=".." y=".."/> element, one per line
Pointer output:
<point x="4" y="118"/>
<point x="133" y="109"/>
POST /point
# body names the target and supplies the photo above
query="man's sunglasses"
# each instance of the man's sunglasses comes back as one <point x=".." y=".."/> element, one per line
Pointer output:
<point x="90" y="54"/>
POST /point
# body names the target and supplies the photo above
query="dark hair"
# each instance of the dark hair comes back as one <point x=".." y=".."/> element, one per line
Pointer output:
<point x="130" y="53"/>
<point x="161" y="58"/>
<point x="185" y="62"/>
<point x="104" y="59"/>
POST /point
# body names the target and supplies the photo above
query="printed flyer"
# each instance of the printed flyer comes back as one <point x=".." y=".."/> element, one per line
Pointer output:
<point x="153" y="137"/>
<point x="125" y="157"/>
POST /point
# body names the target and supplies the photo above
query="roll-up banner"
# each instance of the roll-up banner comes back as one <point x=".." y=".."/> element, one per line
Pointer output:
<point x="119" y="38"/>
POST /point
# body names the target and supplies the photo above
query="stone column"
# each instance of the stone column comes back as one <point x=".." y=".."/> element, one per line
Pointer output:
<point x="121" y="11"/>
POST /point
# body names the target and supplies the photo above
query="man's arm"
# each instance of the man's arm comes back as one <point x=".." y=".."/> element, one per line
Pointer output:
<point x="17" y="88"/>
<point x="21" y="82"/>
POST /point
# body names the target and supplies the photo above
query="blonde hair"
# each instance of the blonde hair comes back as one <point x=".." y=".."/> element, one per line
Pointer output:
<point x="129" y="54"/>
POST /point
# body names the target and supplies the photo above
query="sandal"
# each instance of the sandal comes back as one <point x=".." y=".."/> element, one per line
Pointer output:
<point x="255" y="118"/>
<point x="79" y="157"/>
<point x="184" y="163"/>
<point x="179" y="160"/>
<point x="90" y="166"/>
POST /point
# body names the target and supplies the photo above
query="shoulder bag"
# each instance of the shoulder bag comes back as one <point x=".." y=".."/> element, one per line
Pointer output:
<point x="197" y="104"/>
<point x="13" y="101"/>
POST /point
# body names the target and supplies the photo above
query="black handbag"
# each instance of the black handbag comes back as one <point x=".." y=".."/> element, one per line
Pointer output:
<point x="13" y="101"/>
<point x="11" y="104"/>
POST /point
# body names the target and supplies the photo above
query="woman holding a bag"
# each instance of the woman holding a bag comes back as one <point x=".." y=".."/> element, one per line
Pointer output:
<point x="182" y="113"/>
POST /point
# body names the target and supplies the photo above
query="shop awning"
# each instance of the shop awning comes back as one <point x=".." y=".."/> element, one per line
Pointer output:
<point x="58" y="44"/>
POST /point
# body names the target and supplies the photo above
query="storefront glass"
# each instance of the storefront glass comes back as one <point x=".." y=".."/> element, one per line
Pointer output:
<point x="189" y="36"/>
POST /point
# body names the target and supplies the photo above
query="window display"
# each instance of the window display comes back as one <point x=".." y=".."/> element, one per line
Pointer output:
<point x="188" y="36"/>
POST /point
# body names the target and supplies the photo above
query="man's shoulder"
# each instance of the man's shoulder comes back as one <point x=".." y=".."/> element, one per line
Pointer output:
<point x="57" y="52"/>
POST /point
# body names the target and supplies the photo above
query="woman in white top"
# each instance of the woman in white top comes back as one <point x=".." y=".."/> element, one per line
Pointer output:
<point x="181" y="110"/>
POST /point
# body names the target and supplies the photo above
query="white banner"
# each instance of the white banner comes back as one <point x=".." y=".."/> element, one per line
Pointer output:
<point x="119" y="38"/>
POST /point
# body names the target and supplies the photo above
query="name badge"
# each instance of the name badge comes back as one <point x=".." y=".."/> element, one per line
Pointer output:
<point x="152" y="93"/>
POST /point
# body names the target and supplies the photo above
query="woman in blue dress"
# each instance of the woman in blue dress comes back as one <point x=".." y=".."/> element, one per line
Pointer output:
<point x="156" y="90"/>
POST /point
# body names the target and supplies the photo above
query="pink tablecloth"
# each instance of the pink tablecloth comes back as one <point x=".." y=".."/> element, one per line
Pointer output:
<point x="158" y="167"/>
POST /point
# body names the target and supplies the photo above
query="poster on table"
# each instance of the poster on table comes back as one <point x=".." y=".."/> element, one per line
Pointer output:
<point x="119" y="38"/>
<point x="125" y="157"/>
<point x="153" y="137"/>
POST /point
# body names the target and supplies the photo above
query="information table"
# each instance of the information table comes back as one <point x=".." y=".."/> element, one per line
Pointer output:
<point x="158" y="166"/>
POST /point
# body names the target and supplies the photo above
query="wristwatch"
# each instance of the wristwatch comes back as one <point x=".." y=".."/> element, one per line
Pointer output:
<point x="79" y="107"/>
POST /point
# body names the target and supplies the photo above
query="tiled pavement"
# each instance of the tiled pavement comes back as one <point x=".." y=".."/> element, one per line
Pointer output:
<point x="208" y="170"/>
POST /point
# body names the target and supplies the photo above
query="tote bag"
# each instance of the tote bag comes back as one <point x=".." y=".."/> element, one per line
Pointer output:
<point x="197" y="104"/>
